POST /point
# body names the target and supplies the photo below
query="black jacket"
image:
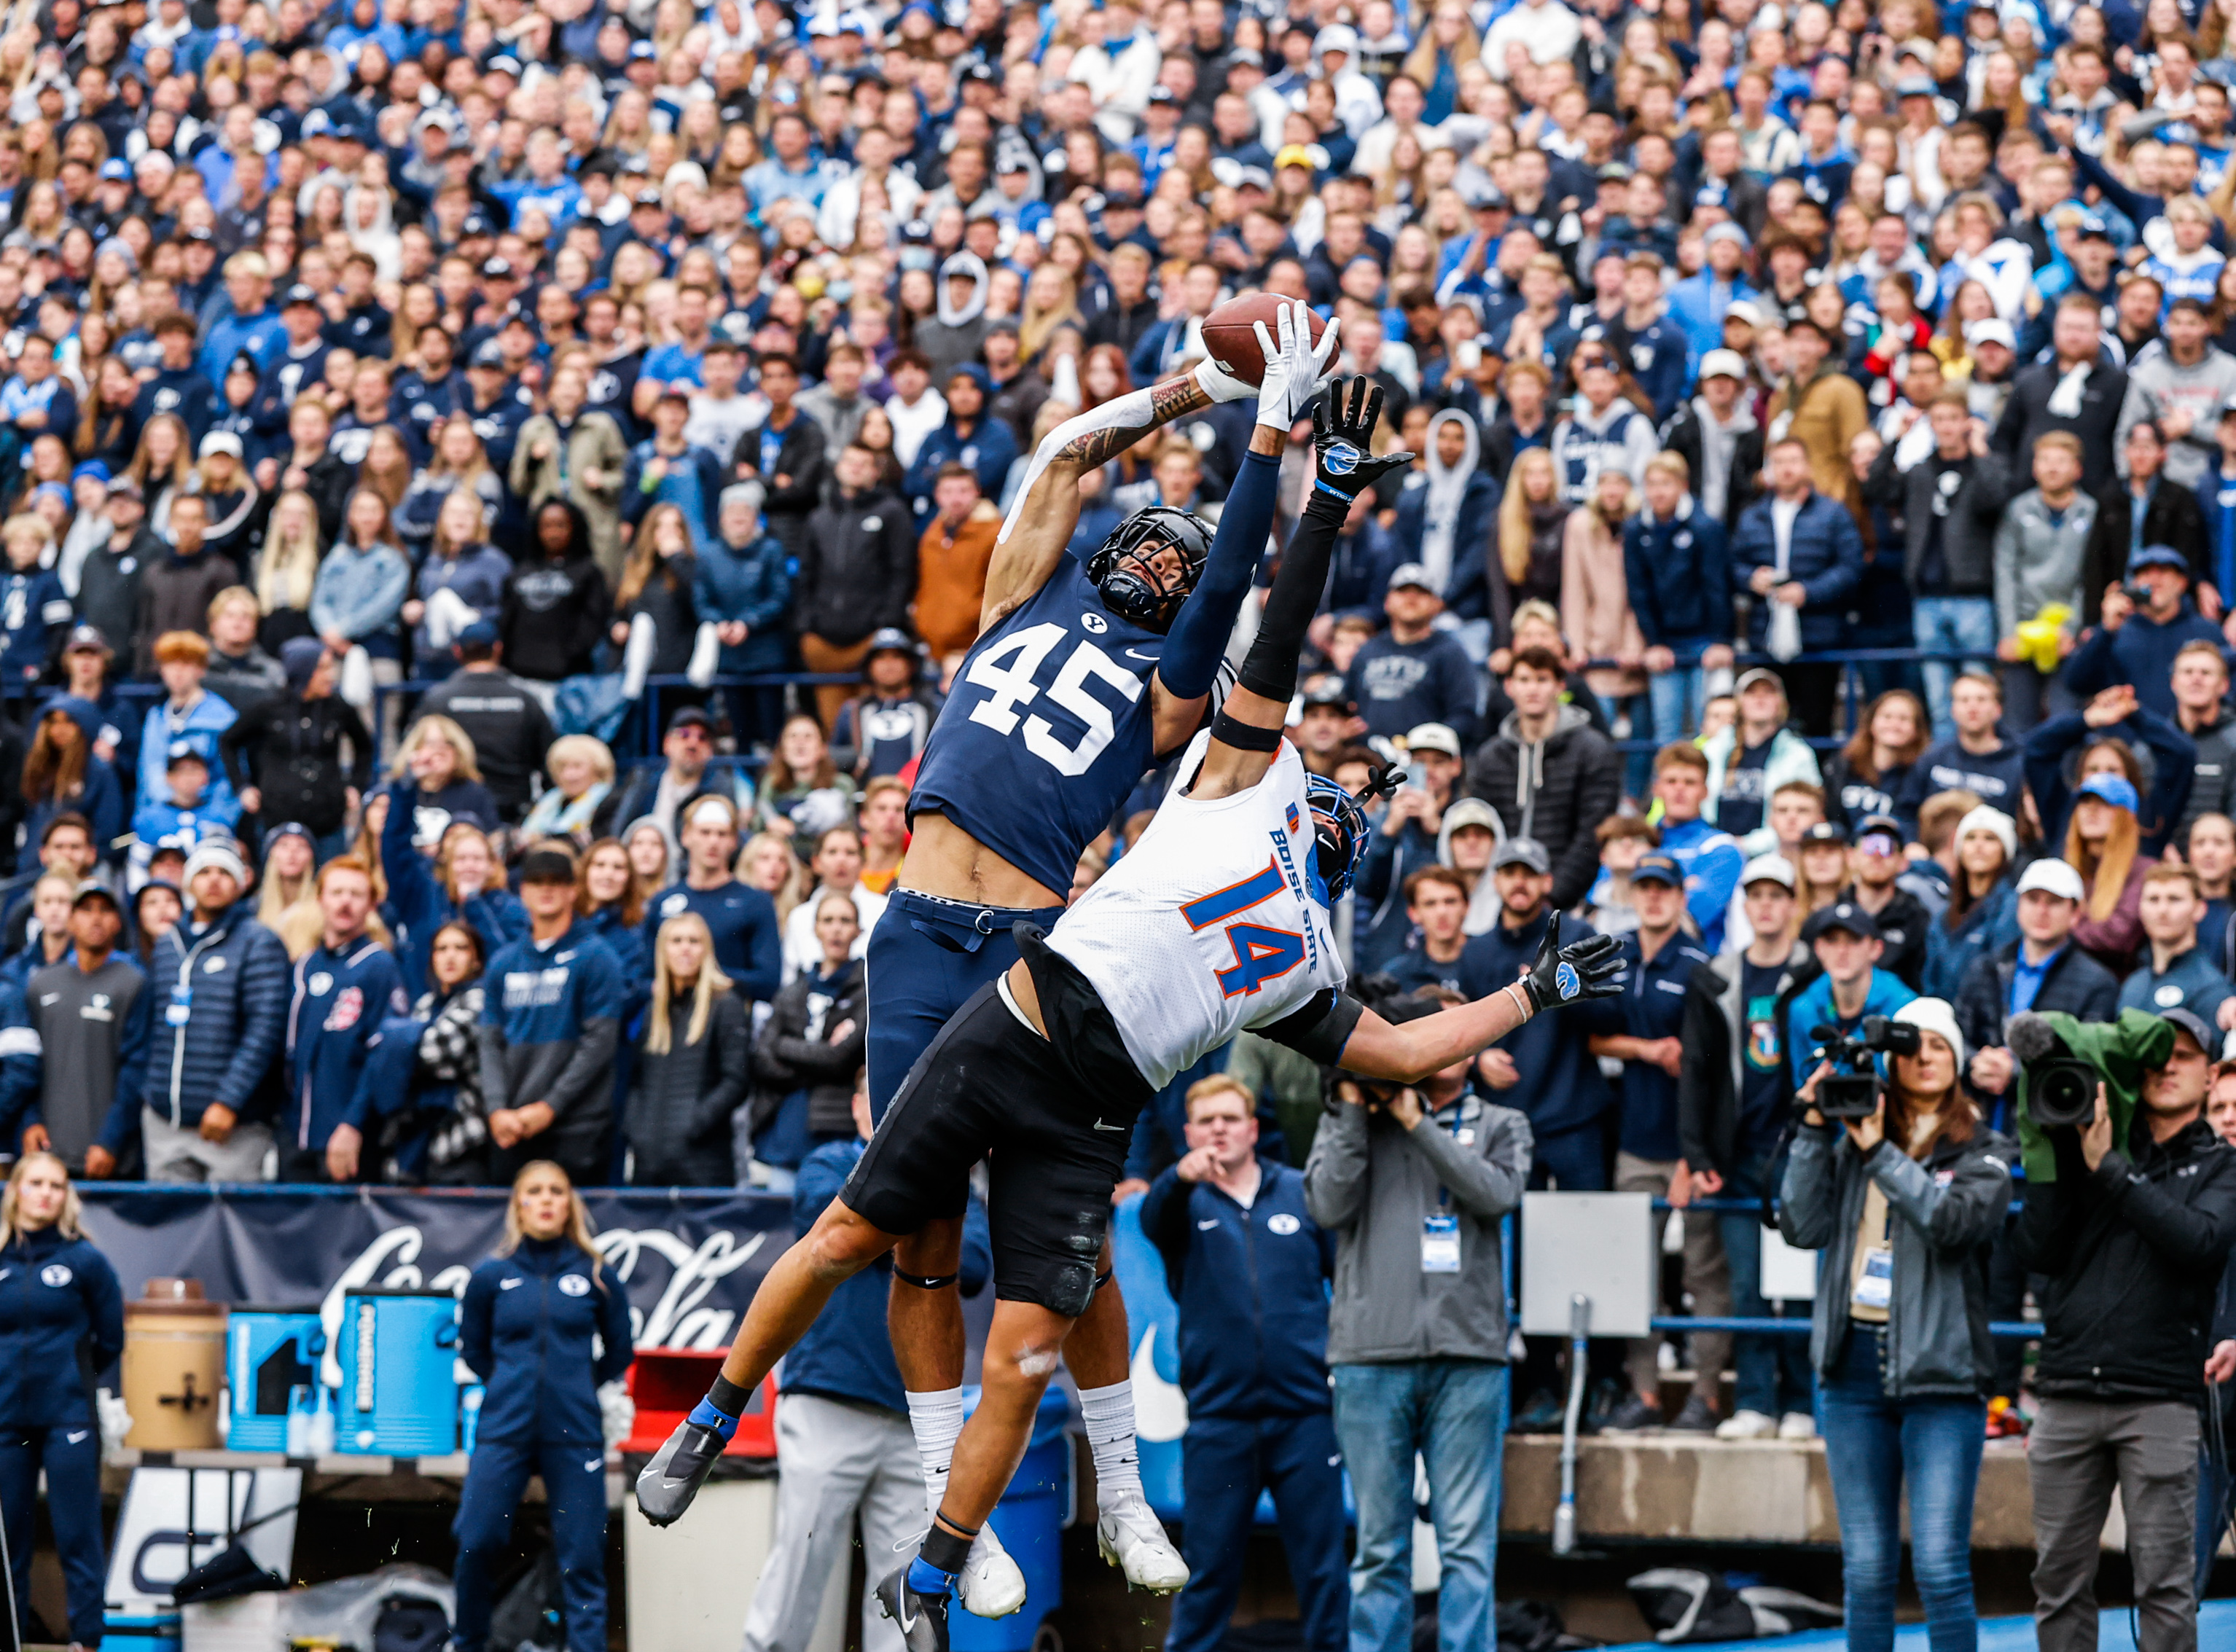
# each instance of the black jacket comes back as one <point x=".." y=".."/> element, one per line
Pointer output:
<point x="507" y="725"/>
<point x="680" y="1101"/>
<point x="2076" y="983"/>
<point x="1968" y="518"/>
<point x="801" y="458"/>
<point x="2027" y="416"/>
<point x="290" y="749"/>
<point x="2134" y="1253"/>
<point x="108" y="591"/>
<point x="1556" y="791"/>
<point x="1902" y="923"/>
<point x="857" y="567"/>
<point x="795" y="1050"/>
<point x="1744" y="484"/>
<point x="1708" y="1078"/>
<point x="553" y="615"/>
<point x="2173" y="518"/>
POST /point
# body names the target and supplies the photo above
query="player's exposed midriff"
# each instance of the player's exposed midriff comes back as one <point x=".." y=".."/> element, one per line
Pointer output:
<point x="945" y="860"/>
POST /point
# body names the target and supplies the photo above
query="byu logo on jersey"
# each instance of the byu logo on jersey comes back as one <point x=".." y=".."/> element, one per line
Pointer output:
<point x="1282" y="1225"/>
<point x="1340" y="459"/>
<point x="573" y="1285"/>
<point x="56" y="1275"/>
<point x="1094" y="622"/>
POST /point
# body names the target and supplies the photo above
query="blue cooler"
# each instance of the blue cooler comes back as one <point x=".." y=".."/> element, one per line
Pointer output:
<point x="399" y="1395"/>
<point x="1030" y="1520"/>
<point x="143" y="1632"/>
<point x="268" y="1352"/>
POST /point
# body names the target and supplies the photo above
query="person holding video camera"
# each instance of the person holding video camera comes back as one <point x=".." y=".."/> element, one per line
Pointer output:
<point x="1902" y="1199"/>
<point x="2131" y="1222"/>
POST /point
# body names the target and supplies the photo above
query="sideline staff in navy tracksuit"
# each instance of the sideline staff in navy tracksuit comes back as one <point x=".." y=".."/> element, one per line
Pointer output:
<point x="526" y="1328"/>
<point x="1249" y="1268"/>
<point x="61" y="1322"/>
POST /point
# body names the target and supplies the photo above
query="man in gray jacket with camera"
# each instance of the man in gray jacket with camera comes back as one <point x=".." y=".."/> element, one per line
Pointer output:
<point x="1415" y="1183"/>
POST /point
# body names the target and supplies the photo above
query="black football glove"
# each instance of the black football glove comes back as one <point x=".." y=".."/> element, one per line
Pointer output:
<point x="1563" y="975"/>
<point x="1343" y="434"/>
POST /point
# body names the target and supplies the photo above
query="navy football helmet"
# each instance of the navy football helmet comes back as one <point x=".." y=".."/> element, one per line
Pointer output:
<point x="1130" y="589"/>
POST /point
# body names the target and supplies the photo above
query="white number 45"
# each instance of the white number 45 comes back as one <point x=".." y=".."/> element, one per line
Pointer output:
<point x="1011" y="686"/>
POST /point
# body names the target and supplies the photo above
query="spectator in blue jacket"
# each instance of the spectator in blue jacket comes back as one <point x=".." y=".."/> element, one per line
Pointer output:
<point x="358" y="599"/>
<point x="65" y="774"/>
<point x="1240" y="1247"/>
<point x="188" y="713"/>
<point x="1800" y="551"/>
<point x="545" y="1323"/>
<point x="665" y="469"/>
<point x="743" y="587"/>
<point x="843" y="1432"/>
<point x="1677" y="565"/>
<point x="1413" y="673"/>
<point x="550" y="1023"/>
<point x="968" y="436"/>
<point x="1446" y="510"/>
<point x="1846" y="941"/>
<point x="61" y="1324"/>
<point x="2134" y="643"/>
<point x="178" y="386"/>
<point x="748" y="941"/>
<point x="344" y="987"/>
<point x="221" y="981"/>
<point x="34" y="609"/>
<point x="464" y="882"/>
<point x="1698" y="302"/>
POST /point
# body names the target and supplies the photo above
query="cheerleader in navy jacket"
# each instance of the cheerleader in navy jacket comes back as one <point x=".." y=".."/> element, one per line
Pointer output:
<point x="62" y="1323"/>
<point x="545" y="1324"/>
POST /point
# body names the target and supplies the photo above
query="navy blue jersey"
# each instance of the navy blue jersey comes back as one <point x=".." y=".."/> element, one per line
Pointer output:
<point x="748" y="940"/>
<point x="62" y="1323"/>
<point x="1046" y="731"/>
<point x="339" y="1003"/>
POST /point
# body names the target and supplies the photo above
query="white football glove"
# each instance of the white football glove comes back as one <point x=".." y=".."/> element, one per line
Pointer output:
<point x="616" y="1411"/>
<point x="1219" y="385"/>
<point x="1294" y="364"/>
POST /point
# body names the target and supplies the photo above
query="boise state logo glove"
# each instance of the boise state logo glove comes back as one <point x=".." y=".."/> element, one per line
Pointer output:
<point x="1591" y="968"/>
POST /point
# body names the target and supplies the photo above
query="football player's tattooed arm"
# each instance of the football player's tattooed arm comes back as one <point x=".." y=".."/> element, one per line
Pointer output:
<point x="1247" y="731"/>
<point x="1045" y="513"/>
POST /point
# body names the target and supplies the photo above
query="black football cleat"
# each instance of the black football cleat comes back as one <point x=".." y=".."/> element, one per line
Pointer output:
<point x="922" y="1618"/>
<point x="678" y="1468"/>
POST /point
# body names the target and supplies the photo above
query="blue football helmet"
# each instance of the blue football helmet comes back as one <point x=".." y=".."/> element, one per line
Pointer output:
<point x="1129" y="588"/>
<point x="1340" y="828"/>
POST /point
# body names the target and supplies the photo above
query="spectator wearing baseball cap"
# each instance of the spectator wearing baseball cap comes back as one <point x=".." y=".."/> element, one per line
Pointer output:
<point x="1875" y="862"/>
<point x="2138" y="635"/>
<point x="1412" y="672"/>
<point x="2103" y="841"/>
<point x="1699" y="301"/>
<point x="1658" y="961"/>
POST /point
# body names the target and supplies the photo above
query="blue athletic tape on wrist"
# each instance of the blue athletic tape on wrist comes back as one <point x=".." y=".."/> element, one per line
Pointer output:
<point x="925" y="1578"/>
<point x="725" y="1403"/>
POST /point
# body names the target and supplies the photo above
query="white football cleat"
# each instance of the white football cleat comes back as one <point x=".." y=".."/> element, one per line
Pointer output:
<point x="1133" y="1539"/>
<point x="991" y="1585"/>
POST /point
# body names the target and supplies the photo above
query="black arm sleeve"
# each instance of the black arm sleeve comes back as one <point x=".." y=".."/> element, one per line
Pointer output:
<point x="1320" y="1029"/>
<point x="1270" y="669"/>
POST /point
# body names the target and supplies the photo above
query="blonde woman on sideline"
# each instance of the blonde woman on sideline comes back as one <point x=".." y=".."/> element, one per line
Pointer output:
<point x="61" y="1324"/>
<point x="692" y="1063"/>
<point x="545" y="1325"/>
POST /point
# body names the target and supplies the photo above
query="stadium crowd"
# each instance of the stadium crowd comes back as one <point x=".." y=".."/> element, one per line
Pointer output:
<point x="475" y="475"/>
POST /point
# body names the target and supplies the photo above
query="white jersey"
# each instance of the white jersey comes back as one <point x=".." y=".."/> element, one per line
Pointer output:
<point x="1206" y="926"/>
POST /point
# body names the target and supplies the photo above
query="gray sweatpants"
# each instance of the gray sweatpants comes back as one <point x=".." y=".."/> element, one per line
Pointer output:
<point x="2077" y="1452"/>
<point x="1708" y="1276"/>
<point x="836" y="1460"/>
<point x="179" y="1153"/>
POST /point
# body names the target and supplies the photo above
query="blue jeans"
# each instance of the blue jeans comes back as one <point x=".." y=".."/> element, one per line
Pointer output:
<point x="1963" y="625"/>
<point x="2214" y="1487"/>
<point x="1676" y="695"/>
<point x="1453" y="1413"/>
<point x="1769" y="1373"/>
<point x="1872" y="1446"/>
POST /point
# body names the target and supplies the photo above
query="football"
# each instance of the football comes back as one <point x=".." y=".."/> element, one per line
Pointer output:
<point x="1229" y="341"/>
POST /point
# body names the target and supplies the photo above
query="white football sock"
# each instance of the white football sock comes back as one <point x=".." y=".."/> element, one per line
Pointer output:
<point x="1108" y="1414"/>
<point x="935" y="1419"/>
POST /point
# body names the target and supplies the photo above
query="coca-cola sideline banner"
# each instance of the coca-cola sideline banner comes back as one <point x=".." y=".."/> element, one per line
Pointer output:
<point x="691" y="1260"/>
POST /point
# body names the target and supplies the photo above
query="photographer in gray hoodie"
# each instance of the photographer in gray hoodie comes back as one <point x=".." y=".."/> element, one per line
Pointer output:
<point x="1414" y="1183"/>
